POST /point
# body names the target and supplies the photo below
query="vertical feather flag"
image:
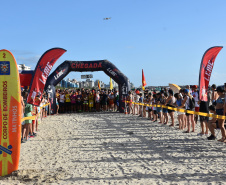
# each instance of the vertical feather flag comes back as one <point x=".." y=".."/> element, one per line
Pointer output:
<point x="98" y="84"/>
<point x="41" y="74"/>
<point x="111" y="85"/>
<point x="143" y="81"/>
<point x="206" y="68"/>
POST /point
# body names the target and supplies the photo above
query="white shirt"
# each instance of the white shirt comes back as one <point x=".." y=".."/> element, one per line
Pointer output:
<point x="33" y="95"/>
<point x="196" y="97"/>
<point x="187" y="103"/>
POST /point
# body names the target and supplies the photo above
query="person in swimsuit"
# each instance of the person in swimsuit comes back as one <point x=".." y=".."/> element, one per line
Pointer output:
<point x="214" y="95"/>
<point x="213" y="123"/>
<point x="220" y="111"/>
<point x="155" y="115"/>
<point x="186" y="104"/>
<point x="159" y="109"/>
<point x="184" y="115"/>
<point x="165" y="110"/>
<point x="150" y="112"/>
<point x="180" y="114"/>
<point x="136" y="100"/>
<point x="170" y="103"/>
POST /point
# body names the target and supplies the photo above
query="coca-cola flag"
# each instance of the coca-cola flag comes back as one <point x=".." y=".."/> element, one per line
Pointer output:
<point x="41" y="74"/>
<point x="206" y="70"/>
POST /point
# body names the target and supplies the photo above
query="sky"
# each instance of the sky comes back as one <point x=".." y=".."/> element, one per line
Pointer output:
<point x="165" y="38"/>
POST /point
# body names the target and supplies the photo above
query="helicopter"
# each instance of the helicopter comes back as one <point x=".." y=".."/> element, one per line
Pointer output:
<point x="107" y="18"/>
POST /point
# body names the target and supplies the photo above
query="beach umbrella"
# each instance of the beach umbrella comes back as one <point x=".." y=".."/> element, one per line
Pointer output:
<point x="175" y="88"/>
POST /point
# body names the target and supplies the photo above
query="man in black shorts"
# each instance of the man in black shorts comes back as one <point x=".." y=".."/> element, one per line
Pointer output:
<point x="204" y="107"/>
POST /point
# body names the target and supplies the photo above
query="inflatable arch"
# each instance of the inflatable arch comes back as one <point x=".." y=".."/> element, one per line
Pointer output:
<point x="81" y="66"/>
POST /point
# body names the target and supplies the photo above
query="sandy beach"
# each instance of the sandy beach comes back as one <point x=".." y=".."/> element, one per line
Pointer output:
<point x="114" y="148"/>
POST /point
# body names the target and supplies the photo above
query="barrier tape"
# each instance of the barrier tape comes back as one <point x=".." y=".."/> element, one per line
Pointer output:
<point x="33" y="117"/>
<point x="181" y="110"/>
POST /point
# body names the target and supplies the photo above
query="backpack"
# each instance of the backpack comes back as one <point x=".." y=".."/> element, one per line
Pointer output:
<point x="191" y="103"/>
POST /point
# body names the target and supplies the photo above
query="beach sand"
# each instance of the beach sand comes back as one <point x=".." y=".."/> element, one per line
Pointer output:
<point x="114" y="148"/>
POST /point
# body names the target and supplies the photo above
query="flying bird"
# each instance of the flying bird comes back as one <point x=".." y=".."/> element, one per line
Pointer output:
<point x="107" y="18"/>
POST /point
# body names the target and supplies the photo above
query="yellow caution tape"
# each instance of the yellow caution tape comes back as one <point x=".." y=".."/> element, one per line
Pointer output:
<point x="181" y="110"/>
<point x="33" y="117"/>
<point x="28" y="118"/>
<point x="45" y="105"/>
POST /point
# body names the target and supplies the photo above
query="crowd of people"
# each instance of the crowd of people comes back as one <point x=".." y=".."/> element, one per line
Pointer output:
<point x="187" y="99"/>
<point x="30" y="126"/>
<point x="84" y="100"/>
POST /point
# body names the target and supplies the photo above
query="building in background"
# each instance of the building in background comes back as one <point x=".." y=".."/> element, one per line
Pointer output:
<point x="102" y="85"/>
<point x="22" y="67"/>
<point x="68" y="83"/>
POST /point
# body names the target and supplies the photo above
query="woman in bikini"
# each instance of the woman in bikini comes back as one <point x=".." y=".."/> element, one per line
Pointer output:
<point x="220" y="111"/>
<point x="186" y="104"/>
<point x="165" y="110"/>
<point x="170" y="103"/>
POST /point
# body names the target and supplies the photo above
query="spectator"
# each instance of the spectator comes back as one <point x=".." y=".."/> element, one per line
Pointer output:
<point x="62" y="100"/>
<point x="220" y="111"/>
<point x="186" y="105"/>
<point x="195" y="95"/>
<point x="97" y="101"/>
<point x="170" y="101"/>
<point x="150" y="112"/>
<point x="159" y="109"/>
<point x="155" y="114"/>
<point x="136" y="100"/>
<point x="165" y="110"/>
<point x="212" y="124"/>
<point x="180" y="114"/>
<point x="28" y="113"/>
<point x="215" y="95"/>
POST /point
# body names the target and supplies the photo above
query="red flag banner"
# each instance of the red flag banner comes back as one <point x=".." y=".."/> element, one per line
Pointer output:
<point x="206" y="70"/>
<point x="25" y="80"/>
<point x="41" y="74"/>
<point x="99" y="84"/>
<point x="143" y="80"/>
